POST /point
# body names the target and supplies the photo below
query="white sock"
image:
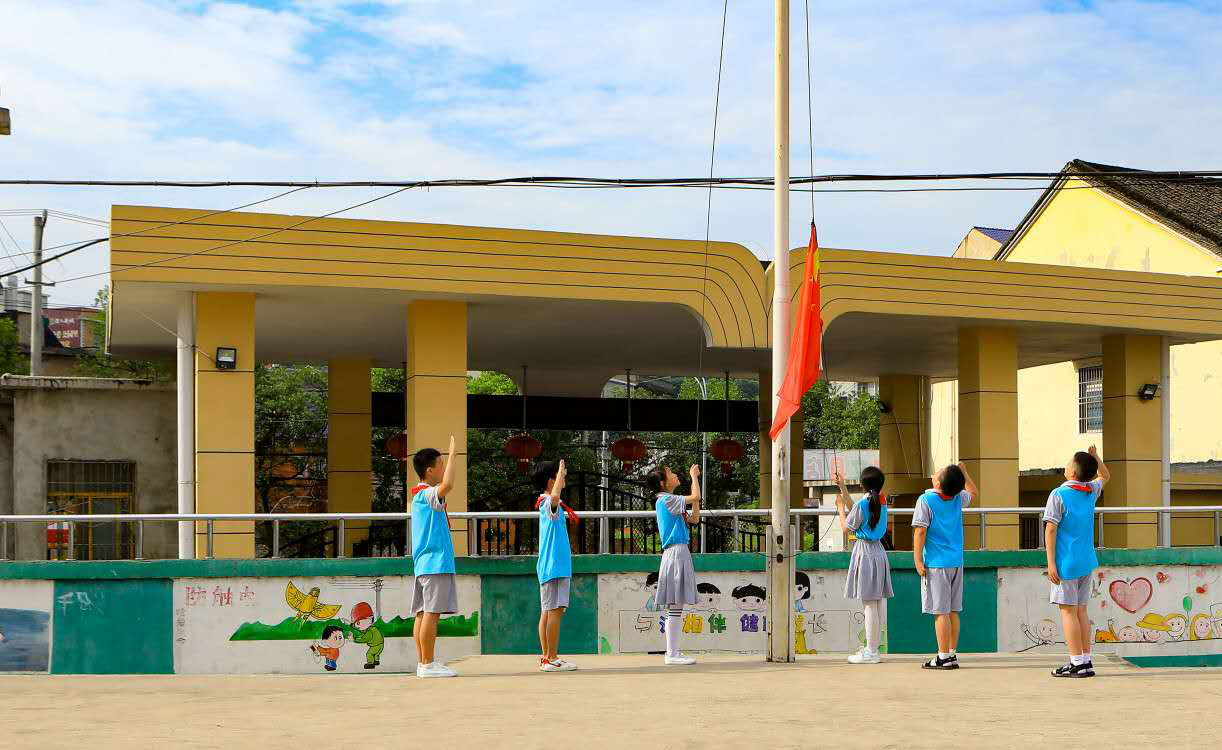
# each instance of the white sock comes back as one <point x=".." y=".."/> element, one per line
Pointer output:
<point x="1077" y="659"/>
<point x="954" y="652"/>
<point x="943" y="656"/>
<point x="1085" y="657"/>
<point x="874" y="624"/>
<point x="674" y="625"/>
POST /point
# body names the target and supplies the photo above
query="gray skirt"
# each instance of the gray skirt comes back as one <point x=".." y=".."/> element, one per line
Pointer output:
<point x="869" y="572"/>
<point x="676" y="577"/>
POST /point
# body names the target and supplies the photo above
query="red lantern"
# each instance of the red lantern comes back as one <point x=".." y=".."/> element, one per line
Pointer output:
<point x="726" y="451"/>
<point x="629" y="450"/>
<point x="397" y="446"/>
<point x="524" y="449"/>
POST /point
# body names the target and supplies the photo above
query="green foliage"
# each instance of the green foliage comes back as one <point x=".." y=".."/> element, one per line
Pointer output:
<point x="11" y="361"/>
<point x="99" y="364"/>
<point x="839" y="422"/>
<point x="390" y="475"/>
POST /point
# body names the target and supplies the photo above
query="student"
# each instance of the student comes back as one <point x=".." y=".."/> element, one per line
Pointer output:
<point x="1069" y="537"/>
<point x="869" y="576"/>
<point x="676" y="574"/>
<point x="937" y="550"/>
<point x="555" y="566"/>
<point x="434" y="592"/>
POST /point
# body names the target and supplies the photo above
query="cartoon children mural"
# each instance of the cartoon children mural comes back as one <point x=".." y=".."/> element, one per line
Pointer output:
<point x="1044" y="634"/>
<point x="750" y="598"/>
<point x="327" y="647"/>
<point x="708" y="597"/>
<point x="1153" y="627"/>
<point x="364" y="631"/>
<point x="801" y="590"/>
<point x="1201" y="628"/>
<point x="651" y="585"/>
<point x="1177" y="626"/>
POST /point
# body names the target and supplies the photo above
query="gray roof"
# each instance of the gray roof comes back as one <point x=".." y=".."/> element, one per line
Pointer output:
<point x="819" y="463"/>
<point x="993" y="233"/>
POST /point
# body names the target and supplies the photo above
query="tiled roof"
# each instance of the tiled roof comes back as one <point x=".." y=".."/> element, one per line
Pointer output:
<point x="1191" y="206"/>
<point x="998" y="235"/>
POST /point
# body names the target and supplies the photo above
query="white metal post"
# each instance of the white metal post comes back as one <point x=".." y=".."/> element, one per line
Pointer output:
<point x="186" y="423"/>
<point x="1164" y="520"/>
<point x="780" y="609"/>
<point x="36" y="332"/>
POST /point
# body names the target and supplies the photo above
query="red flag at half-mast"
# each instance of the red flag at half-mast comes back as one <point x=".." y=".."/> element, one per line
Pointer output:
<point x="803" y="367"/>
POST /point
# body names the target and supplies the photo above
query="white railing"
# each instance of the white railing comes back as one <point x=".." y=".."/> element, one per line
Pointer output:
<point x="1163" y="514"/>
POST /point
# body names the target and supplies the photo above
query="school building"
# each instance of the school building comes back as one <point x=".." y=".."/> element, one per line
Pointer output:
<point x="578" y="309"/>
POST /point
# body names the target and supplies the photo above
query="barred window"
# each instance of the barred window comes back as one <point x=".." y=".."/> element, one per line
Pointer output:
<point x="1090" y="399"/>
<point x="89" y="488"/>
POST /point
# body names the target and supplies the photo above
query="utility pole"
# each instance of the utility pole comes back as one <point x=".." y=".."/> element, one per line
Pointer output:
<point x="780" y="546"/>
<point x="36" y="333"/>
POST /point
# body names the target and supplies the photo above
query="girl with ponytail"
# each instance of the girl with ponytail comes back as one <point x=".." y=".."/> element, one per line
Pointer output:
<point x="869" y="576"/>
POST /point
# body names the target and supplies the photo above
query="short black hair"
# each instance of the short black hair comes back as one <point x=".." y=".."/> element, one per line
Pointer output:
<point x="651" y="579"/>
<point x="424" y="460"/>
<point x="1086" y="466"/>
<point x="545" y="471"/>
<point x="953" y="481"/>
<point x="707" y="588"/>
<point x="655" y="479"/>
<point x="742" y="592"/>
<point x="801" y="579"/>
<point x="328" y="630"/>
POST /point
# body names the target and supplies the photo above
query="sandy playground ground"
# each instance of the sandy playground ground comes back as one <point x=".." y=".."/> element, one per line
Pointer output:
<point x="729" y="701"/>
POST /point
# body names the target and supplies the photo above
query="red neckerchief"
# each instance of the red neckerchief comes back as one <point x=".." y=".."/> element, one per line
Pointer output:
<point x="572" y="514"/>
<point x="424" y="486"/>
<point x="1081" y="487"/>
<point x="944" y="497"/>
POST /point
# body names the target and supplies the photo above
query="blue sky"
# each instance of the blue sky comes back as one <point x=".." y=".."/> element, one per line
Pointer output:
<point x="329" y="89"/>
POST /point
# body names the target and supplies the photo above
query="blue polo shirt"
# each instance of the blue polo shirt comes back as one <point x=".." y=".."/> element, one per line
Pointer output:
<point x="555" y="555"/>
<point x="1072" y="509"/>
<point x="432" y="547"/>
<point x="861" y="510"/>
<point x="672" y="520"/>
<point x="944" y="520"/>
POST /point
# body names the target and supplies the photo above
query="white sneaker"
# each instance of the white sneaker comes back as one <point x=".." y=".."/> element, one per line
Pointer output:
<point x="567" y="666"/>
<point x="679" y="660"/>
<point x="436" y="669"/>
<point x="865" y="656"/>
<point x="559" y="665"/>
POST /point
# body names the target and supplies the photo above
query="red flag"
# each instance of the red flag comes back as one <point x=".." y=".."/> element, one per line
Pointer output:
<point x="803" y="367"/>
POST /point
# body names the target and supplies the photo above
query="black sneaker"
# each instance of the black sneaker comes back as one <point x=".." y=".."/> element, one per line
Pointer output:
<point x="1073" y="670"/>
<point x="938" y="662"/>
<point x="1090" y="667"/>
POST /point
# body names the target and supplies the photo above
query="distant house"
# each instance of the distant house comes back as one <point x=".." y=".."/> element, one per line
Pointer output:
<point x="982" y="243"/>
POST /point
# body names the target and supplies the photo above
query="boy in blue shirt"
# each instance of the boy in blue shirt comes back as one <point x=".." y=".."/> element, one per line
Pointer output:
<point x="555" y="566"/>
<point x="434" y="593"/>
<point x="937" y="550"/>
<point x="1069" y="538"/>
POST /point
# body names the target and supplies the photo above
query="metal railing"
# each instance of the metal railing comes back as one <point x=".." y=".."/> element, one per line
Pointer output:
<point x="736" y="516"/>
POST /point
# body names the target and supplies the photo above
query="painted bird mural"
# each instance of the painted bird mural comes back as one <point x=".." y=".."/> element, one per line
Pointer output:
<point x="307" y="605"/>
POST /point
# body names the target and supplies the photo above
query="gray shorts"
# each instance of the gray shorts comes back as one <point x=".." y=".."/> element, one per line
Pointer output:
<point x="942" y="591"/>
<point x="1075" y="591"/>
<point x="435" y="593"/>
<point x="554" y="594"/>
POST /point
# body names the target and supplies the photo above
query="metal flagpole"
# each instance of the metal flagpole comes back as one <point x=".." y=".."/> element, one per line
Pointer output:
<point x="780" y="557"/>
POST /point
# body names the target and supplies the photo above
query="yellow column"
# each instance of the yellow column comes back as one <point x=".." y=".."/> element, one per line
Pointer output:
<point x="349" y="457"/>
<point x="1132" y="436"/>
<point x="765" y="410"/>
<point x="903" y="444"/>
<point x="988" y="428"/>
<point x="225" y="420"/>
<point x="437" y="393"/>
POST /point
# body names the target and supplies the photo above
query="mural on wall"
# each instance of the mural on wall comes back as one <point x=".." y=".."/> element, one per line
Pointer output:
<point x="303" y="625"/>
<point x="1165" y="605"/>
<point x="730" y="614"/>
<point x="25" y="625"/>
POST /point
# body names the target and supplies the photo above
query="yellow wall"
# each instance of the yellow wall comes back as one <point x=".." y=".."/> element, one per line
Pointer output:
<point x="349" y="456"/>
<point x="977" y="245"/>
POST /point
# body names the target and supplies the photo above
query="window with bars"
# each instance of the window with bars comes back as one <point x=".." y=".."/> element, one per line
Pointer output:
<point x="1090" y="399"/>
<point x="89" y="488"/>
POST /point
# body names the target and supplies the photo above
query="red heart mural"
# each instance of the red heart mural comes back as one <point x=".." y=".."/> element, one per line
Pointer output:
<point x="1131" y="595"/>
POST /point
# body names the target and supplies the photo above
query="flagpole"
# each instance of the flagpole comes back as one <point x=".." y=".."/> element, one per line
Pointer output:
<point x="780" y="576"/>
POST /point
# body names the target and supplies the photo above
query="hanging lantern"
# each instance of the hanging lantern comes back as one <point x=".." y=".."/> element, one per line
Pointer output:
<point x="628" y="450"/>
<point x="397" y="446"/>
<point x="524" y="449"/>
<point x="727" y="451"/>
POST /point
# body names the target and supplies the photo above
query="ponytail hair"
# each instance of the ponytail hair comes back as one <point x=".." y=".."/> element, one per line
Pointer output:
<point x="655" y="479"/>
<point x="872" y="479"/>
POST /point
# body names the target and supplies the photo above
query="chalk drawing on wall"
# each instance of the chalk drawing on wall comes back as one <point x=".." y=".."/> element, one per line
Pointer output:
<point x="310" y="625"/>
<point x="25" y="625"/>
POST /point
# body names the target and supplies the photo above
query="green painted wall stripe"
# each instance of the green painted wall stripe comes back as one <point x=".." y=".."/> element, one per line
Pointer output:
<point x="113" y="627"/>
<point x="510" y="609"/>
<point x="1178" y="660"/>
<point x="525" y="565"/>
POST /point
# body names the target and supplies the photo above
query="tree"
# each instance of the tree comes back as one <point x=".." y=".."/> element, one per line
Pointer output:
<point x="839" y="422"/>
<point x="99" y="364"/>
<point x="11" y="361"/>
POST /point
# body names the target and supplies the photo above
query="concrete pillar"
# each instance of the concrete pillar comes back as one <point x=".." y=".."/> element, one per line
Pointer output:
<point x="225" y="420"/>
<point x="903" y="444"/>
<point x="765" y="410"/>
<point x="437" y="393"/>
<point x="349" y="457"/>
<point x="1132" y="437"/>
<point x="988" y="428"/>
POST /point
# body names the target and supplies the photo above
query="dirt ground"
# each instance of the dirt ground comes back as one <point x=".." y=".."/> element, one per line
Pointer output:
<point x="732" y="701"/>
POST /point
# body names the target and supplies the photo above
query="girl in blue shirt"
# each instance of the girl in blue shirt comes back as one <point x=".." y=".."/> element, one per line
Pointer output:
<point x="676" y="574"/>
<point x="869" y="576"/>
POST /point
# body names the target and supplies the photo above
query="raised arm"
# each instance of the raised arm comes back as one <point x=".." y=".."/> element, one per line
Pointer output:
<point x="968" y="484"/>
<point x="693" y="499"/>
<point x="447" y="478"/>
<point x="843" y="500"/>
<point x="1104" y="474"/>
<point x="558" y="485"/>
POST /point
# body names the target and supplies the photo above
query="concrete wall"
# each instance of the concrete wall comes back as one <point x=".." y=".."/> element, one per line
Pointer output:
<point x="132" y="423"/>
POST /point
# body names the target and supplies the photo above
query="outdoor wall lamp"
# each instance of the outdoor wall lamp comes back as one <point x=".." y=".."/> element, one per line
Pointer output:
<point x="226" y="358"/>
<point x="1147" y="392"/>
